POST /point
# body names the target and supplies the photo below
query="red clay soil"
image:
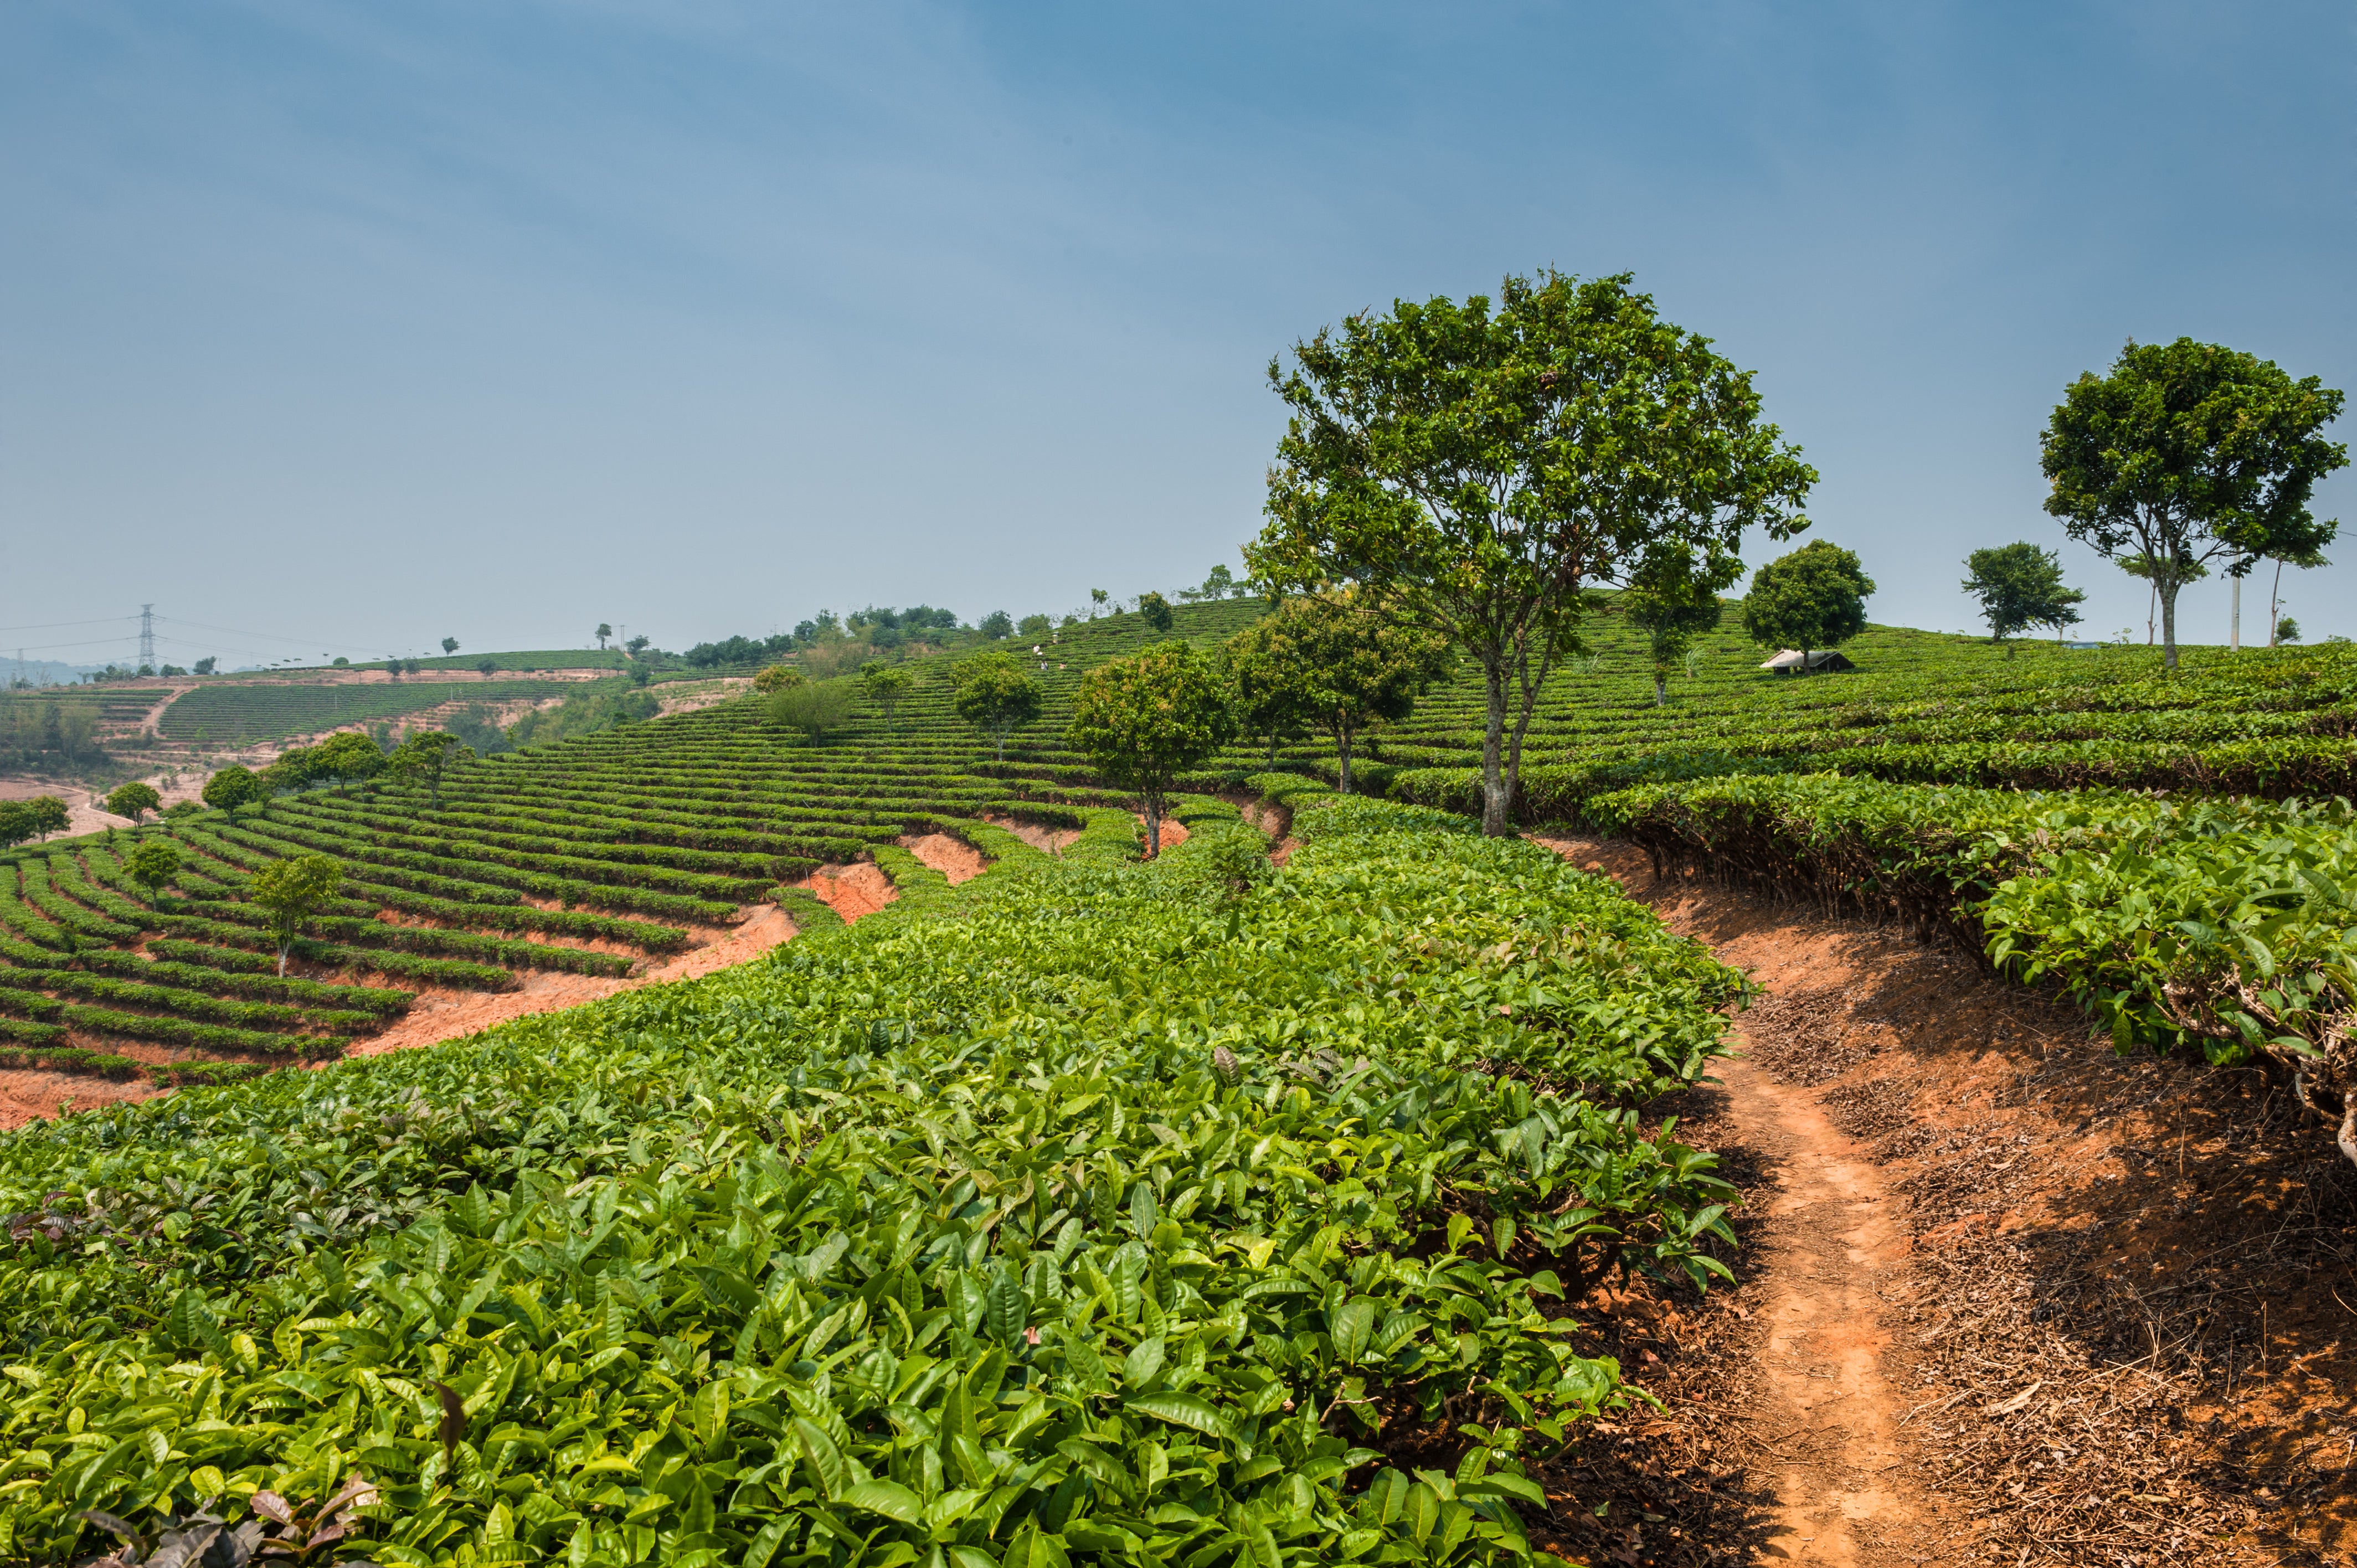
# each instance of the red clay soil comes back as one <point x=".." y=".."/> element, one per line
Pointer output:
<point x="2006" y="1296"/>
<point x="1276" y="822"/>
<point x="1174" y="832"/>
<point x="1051" y="840"/>
<point x="952" y="857"/>
<point x="853" y="892"/>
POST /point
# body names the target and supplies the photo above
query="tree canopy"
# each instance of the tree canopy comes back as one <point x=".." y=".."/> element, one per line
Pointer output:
<point x="1471" y="464"/>
<point x="1673" y="598"/>
<point x="152" y="863"/>
<point x="885" y="686"/>
<point x="1142" y="720"/>
<point x="1157" y="611"/>
<point x="424" y="755"/>
<point x="816" y="708"/>
<point x="347" y="758"/>
<point x="2188" y="453"/>
<point x="135" y="801"/>
<point x="2020" y="585"/>
<point x="996" y="695"/>
<point x="1813" y="599"/>
<point x="291" y="891"/>
<point x="233" y="787"/>
<point x="1338" y="668"/>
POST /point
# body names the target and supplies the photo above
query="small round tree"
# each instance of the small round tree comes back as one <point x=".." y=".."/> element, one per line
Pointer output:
<point x="424" y="756"/>
<point x="1155" y="609"/>
<point x="152" y="865"/>
<point x="886" y="685"/>
<point x="815" y="708"/>
<point x="996" y="696"/>
<point x="233" y="787"/>
<point x="1673" y="598"/>
<point x="1143" y="721"/>
<point x="1813" y="599"/>
<point x="48" y="815"/>
<point x="2020" y="585"/>
<point x="290" y="892"/>
<point x="135" y="801"/>
<point x="777" y="678"/>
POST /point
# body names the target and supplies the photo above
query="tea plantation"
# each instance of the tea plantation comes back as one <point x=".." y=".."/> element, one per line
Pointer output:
<point x="1094" y="1209"/>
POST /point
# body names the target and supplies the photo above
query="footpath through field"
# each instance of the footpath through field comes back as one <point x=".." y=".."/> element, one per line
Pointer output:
<point x="1980" y="1323"/>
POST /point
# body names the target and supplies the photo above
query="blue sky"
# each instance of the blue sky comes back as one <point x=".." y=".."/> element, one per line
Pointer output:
<point x="364" y="325"/>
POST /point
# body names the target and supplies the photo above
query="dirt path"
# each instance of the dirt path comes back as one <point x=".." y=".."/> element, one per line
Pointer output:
<point x="2008" y="1297"/>
<point x="952" y="857"/>
<point x="1830" y="1249"/>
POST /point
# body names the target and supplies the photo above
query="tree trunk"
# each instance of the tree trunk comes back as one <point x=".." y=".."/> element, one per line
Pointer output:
<point x="1661" y="689"/>
<point x="1271" y="751"/>
<point x="1804" y="663"/>
<point x="2168" y="625"/>
<point x="1153" y="827"/>
<point x="2275" y="602"/>
<point x="1342" y="745"/>
<point x="282" y="948"/>
<point x="1493" y="784"/>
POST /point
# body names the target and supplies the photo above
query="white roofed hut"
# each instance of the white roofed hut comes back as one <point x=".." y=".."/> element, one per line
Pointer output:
<point x="1792" y="661"/>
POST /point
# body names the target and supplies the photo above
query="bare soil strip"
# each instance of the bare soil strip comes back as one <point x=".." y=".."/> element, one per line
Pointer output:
<point x="952" y="857"/>
<point x="2006" y="1297"/>
<point x="854" y="892"/>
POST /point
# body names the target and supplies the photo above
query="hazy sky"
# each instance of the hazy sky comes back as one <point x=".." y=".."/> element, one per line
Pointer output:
<point x="364" y="325"/>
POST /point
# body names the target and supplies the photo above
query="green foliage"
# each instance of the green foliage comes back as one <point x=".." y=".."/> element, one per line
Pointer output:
<point x="2218" y="925"/>
<point x="153" y="863"/>
<point x="16" y="824"/>
<point x="587" y="713"/>
<point x="2287" y="632"/>
<point x="135" y="801"/>
<point x="996" y="695"/>
<point x="1155" y="611"/>
<point x="1471" y="468"/>
<point x="1143" y="721"/>
<point x="1326" y="663"/>
<point x="887" y="686"/>
<point x="2020" y="585"/>
<point x="817" y="708"/>
<point x="426" y="755"/>
<point x="2189" y="453"/>
<point x="995" y="626"/>
<point x="970" y="1233"/>
<point x="346" y="758"/>
<point x="290" y="891"/>
<point x="1813" y="599"/>
<point x="233" y="787"/>
<point x="776" y="678"/>
<point x="1673" y="598"/>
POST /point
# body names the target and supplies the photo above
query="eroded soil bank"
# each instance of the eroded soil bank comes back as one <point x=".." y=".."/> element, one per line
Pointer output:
<point x="2006" y="1297"/>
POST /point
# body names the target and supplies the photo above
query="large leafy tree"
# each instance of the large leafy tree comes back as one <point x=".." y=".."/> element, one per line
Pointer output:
<point x="1469" y="466"/>
<point x="995" y="695"/>
<point x="424" y="756"/>
<point x="290" y="892"/>
<point x="2020" y="585"/>
<point x="1814" y="597"/>
<point x="1144" y="720"/>
<point x="2189" y="453"/>
<point x="1673" y="598"/>
<point x="135" y="801"/>
<point x="1347" y="669"/>
<point x="347" y="757"/>
<point x="16" y="824"/>
<point x="233" y="787"/>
